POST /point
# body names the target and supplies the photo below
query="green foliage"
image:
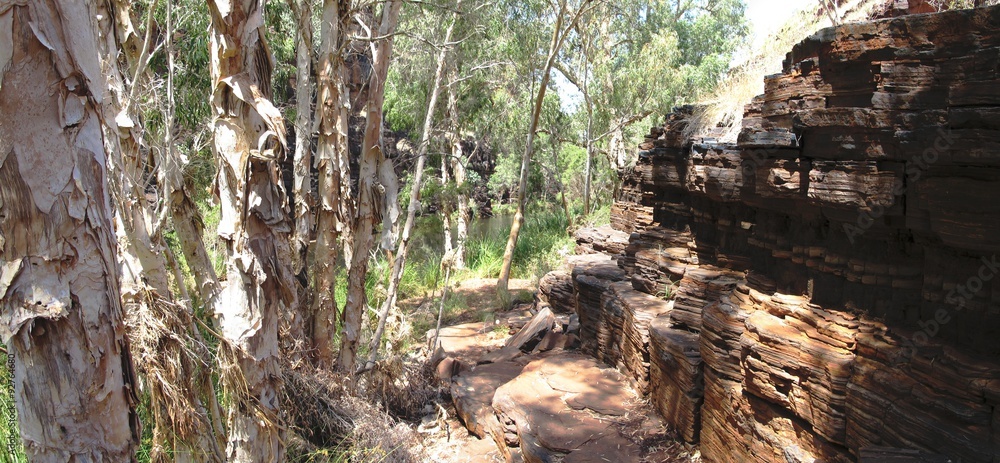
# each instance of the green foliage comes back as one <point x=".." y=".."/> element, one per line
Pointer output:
<point x="542" y="245"/>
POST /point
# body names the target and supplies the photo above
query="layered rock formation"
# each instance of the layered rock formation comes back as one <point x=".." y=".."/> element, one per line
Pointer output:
<point x="831" y="276"/>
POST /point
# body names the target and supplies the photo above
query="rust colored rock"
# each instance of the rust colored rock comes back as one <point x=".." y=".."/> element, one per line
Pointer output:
<point x="893" y="455"/>
<point x="466" y="343"/>
<point x="676" y="377"/>
<point x="472" y="393"/>
<point x="591" y="283"/>
<point x="525" y="340"/>
<point x="638" y="310"/>
<point x="604" y="239"/>
<point x="835" y="267"/>
<point x="556" y="288"/>
<point x="447" y="368"/>
<point x="566" y="407"/>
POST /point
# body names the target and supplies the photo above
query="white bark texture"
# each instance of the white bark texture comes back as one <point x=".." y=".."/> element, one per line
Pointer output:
<point x="303" y="131"/>
<point x="249" y="142"/>
<point x="458" y="160"/>
<point x="60" y="307"/>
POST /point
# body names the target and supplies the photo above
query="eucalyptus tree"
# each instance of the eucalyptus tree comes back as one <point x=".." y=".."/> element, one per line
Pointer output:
<point x="249" y="143"/>
<point x="559" y="34"/>
<point x="631" y="59"/>
<point x="403" y="240"/>
<point x="61" y="306"/>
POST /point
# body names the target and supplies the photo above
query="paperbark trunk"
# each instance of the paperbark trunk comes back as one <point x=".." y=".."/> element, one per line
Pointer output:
<point x="458" y="160"/>
<point x="249" y="137"/>
<point x="303" y="132"/>
<point x="60" y="305"/>
<point x="334" y="179"/>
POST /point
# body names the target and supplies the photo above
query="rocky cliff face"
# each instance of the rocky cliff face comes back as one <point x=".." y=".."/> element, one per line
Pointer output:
<point x="832" y="277"/>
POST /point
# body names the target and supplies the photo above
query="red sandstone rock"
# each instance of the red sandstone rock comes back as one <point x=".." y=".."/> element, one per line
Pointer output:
<point x="676" y="377"/>
<point x="561" y="417"/>
<point x="472" y="393"/>
<point x="556" y="288"/>
<point x="863" y="187"/>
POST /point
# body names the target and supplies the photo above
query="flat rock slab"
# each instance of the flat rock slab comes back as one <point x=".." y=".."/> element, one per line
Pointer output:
<point x="467" y="342"/>
<point x="569" y="406"/>
<point x="472" y="392"/>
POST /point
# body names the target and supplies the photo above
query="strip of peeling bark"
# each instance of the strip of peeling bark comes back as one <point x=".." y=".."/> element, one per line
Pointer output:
<point x="303" y="130"/>
<point x="60" y="307"/>
<point x="370" y="192"/>
<point x="249" y="137"/>
<point x="301" y="320"/>
<point x="333" y="182"/>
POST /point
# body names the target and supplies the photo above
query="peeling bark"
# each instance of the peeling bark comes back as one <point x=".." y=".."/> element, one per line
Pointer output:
<point x="446" y="208"/>
<point x="370" y="192"/>
<point x="248" y="135"/>
<point x="303" y="128"/>
<point x="334" y="179"/>
<point x="60" y="307"/>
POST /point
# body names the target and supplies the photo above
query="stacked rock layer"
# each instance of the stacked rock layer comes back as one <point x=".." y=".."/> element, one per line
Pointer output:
<point x="825" y="288"/>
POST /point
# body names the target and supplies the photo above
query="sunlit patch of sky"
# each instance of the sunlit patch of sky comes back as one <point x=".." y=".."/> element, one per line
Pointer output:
<point x="764" y="17"/>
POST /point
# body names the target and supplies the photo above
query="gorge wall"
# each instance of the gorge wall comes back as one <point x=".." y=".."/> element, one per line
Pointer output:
<point x="833" y="274"/>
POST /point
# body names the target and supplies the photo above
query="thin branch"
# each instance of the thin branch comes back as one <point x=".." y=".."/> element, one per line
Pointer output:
<point x="144" y="56"/>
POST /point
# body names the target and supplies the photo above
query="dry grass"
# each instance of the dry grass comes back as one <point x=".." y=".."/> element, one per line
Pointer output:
<point x="332" y="420"/>
<point x="174" y="364"/>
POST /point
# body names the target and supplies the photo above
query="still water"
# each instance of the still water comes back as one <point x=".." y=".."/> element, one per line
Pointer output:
<point x="427" y="241"/>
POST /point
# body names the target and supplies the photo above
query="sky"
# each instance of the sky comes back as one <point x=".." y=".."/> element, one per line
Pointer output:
<point x="766" y="16"/>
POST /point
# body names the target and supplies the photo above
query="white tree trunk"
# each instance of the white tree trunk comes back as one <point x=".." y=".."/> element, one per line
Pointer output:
<point x="249" y="137"/>
<point x="303" y="131"/>
<point x="458" y="160"/>
<point x="60" y="307"/>
<point x="529" y="147"/>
